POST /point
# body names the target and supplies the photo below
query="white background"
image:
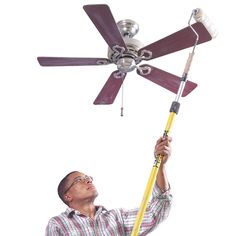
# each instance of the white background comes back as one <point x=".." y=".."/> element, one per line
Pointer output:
<point x="49" y="125"/>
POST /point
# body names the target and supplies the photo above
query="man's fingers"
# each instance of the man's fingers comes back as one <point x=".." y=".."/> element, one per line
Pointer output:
<point x="163" y="139"/>
<point x="163" y="150"/>
<point x="159" y="140"/>
<point x="165" y="142"/>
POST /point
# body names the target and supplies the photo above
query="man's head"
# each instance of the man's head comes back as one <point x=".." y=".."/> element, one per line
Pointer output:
<point x="76" y="187"/>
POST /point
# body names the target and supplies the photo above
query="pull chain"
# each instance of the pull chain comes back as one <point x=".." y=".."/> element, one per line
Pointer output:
<point x="122" y="100"/>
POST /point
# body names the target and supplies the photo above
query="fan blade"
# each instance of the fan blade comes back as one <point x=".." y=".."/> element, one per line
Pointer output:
<point x="167" y="80"/>
<point x="180" y="40"/>
<point x="72" y="61"/>
<point x="104" y="21"/>
<point x="111" y="88"/>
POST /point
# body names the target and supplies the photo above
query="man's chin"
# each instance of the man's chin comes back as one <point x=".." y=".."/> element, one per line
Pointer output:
<point x="94" y="191"/>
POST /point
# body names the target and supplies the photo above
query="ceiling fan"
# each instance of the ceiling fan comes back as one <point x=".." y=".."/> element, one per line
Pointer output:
<point x="127" y="53"/>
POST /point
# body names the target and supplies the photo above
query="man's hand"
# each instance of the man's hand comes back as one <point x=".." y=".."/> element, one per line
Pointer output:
<point x="163" y="148"/>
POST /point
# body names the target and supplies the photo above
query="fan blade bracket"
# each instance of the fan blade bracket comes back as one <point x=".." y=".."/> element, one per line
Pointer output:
<point x="115" y="53"/>
<point x="119" y="75"/>
<point x="103" y="61"/>
<point x="144" y="70"/>
<point x="145" y="54"/>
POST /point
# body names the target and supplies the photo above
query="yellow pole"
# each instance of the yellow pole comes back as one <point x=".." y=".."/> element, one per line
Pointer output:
<point x="173" y="111"/>
<point x="151" y="182"/>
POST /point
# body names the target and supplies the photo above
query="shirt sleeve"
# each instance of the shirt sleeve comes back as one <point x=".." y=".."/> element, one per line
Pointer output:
<point x="157" y="211"/>
<point x="53" y="229"/>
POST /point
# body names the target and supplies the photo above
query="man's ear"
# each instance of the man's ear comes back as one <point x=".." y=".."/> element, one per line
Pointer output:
<point x="67" y="198"/>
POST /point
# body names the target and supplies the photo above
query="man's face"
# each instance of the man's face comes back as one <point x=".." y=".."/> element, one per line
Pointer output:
<point x="80" y="188"/>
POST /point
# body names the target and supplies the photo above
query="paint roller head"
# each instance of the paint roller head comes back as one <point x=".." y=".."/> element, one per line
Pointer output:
<point x="200" y="16"/>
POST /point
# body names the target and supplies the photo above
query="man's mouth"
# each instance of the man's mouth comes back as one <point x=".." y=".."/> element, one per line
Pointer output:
<point x="90" y="187"/>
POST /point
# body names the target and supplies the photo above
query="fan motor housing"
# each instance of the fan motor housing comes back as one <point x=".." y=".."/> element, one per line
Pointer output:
<point x="126" y="60"/>
<point x="130" y="57"/>
<point x="133" y="45"/>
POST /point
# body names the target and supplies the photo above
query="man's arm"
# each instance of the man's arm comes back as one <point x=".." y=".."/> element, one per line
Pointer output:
<point x="157" y="211"/>
<point x="163" y="148"/>
<point x="52" y="230"/>
<point x="159" y="207"/>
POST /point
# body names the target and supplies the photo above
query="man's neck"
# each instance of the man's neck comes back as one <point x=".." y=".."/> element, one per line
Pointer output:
<point x="87" y="209"/>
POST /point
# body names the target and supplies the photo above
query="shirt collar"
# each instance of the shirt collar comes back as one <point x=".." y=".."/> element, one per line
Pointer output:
<point x="70" y="211"/>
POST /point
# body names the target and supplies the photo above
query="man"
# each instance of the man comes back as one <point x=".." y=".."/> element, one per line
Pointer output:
<point x="83" y="218"/>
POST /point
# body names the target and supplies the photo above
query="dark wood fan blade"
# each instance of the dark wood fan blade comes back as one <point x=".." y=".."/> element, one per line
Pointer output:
<point x="180" y="40"/>
<point x="167" y="80"/>
<point x="72" y="61"/>
<point x="104" y="21"/>
<point x="110" y="90"/>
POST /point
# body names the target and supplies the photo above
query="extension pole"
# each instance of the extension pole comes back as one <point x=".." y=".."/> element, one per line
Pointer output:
<point x="158" y="158"/>
<point x="151" y="182"/>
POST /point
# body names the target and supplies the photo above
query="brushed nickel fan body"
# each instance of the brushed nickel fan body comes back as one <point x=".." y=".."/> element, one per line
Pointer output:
<point x="127" y="60"/>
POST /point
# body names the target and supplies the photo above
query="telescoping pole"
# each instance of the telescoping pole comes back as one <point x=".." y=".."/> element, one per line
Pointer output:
<point x="158" y="158"/>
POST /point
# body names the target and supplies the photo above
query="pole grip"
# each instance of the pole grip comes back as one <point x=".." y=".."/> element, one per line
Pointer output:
<point x="188" y="64"/>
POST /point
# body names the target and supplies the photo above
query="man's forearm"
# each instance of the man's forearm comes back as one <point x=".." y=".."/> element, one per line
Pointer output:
<point x="162" y="180"/>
